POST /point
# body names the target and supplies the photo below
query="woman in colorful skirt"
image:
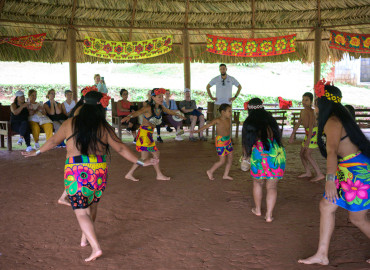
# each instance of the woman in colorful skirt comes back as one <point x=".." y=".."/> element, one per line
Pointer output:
<point x="347" y="153"/>
<point x="144" y="139"/>
<point x="89" y="137"/>
<point x="261" y="139"/>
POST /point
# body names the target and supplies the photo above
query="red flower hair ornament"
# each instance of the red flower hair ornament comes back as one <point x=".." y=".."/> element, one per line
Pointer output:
<point x="159" y="91"/>
<point x="320" y="87"/>
<point x="104" y="101"/>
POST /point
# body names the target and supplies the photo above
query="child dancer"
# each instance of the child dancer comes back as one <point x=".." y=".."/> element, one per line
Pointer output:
<point x="88" y="138"/>
<point x="224" y="146"/>
<point x="262" y="143"/>
<point x="347" y="153"/>
<point x="308" y="120"/>
<point x="144" y="139"/>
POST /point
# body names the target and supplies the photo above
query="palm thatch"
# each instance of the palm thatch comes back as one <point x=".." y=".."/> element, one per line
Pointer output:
<point x="146" y="19"/>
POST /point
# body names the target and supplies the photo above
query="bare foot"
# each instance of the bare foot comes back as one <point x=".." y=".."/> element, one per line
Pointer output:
<point x="84" y="241"/>
<point x="257" y="213"/>
<point x="226" y="177"/>
<point x="94" y="255"/>
<point x="269" y="219"/>
<point x="163" y="178"/>
<point x="64" y="200"/>
<point x="315" y="259"/>
<point x="131" y="177"/>
<point x="318" y="178"/>
<point x="210" y="175"/>
<point x="305" y="175"/>
<point x="368" y="261"/>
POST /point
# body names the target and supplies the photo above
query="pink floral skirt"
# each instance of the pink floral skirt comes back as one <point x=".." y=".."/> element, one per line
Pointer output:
<point x="85" y="179"/>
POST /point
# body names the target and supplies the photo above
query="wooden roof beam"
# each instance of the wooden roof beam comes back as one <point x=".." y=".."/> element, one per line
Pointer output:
<point x="73" y="12"/>
<point x="132" y="18"/>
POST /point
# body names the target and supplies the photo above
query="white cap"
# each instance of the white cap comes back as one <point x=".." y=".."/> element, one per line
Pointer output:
<point x="186" y="90"/>
<point x="19" y="93"/>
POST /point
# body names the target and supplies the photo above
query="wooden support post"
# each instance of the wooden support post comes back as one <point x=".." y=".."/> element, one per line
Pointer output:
<point x="186" y="48"/>
<point x="71" y="43"/>
<point x="253" y="20"/>
<point x="317" y="59"/>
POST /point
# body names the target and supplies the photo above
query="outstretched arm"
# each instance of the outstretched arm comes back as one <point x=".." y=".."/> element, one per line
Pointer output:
<point x="56" y="139"/>
<point x="171" y="112"/>
<point x="136" y="114"/>
<point x="213" y="122"/>
<point x="124" y="151"/>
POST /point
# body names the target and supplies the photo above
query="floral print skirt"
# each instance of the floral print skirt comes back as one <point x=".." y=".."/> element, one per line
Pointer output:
<point x="224" y="145"/>
<point x="268" y="164"/>
<point x="144" y="140"/>
<point x="85" y="179"/>
<point x="353" y="182"/>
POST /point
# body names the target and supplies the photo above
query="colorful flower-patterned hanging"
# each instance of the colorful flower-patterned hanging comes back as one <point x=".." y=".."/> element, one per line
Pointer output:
<point x="350" y="42"/>
<point x="32" y="42"/>
<point x="118" y="50"/>
<point x="251" y="47"/>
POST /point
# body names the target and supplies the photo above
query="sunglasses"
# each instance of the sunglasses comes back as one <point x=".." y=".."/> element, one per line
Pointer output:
<point x="223" y="81"/>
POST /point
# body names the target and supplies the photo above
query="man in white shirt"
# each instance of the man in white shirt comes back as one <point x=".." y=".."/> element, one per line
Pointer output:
<point x="224" y="85"/>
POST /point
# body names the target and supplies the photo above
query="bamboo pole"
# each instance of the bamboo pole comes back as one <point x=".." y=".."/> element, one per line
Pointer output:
<point x="317" y="55"/>
<point x="253" y="16"/>
<point x="132" y="18"/>
<point x="71" y="42"/>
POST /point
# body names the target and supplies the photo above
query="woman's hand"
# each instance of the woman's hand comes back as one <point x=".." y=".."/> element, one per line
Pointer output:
<point x="152" y="161"/>
<point x="331" y="193"/>
<point x="29" y="154"/>
<point x="126" y="119"/>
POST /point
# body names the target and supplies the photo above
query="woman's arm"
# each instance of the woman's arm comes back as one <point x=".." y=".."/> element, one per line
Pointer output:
<point x="136" y="114"/>
<point x="49" y="110"/>
<point x="18" y="110"/>
<point x="64" y="110"/>
<point x="56" y="139"/>
<point x="171" y="112"/>
<point x="124" y="151"/>
<point x="332" y="129"/>
<point x="58" y="108"/>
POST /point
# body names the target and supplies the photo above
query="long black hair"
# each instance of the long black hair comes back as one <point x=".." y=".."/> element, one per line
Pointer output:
<point x="256" y="127"/>
<point x="152" y="102"/>
<point x="89" y="125"/>
<point x="328" y="108"/>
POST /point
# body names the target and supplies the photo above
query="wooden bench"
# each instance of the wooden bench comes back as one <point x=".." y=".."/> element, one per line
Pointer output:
<point x="280" y="117"/>
<point x="5" y="127"/>
<point x="116" y="120"/>
<point x="294" y="121"/>
<point x="363" y="117"/>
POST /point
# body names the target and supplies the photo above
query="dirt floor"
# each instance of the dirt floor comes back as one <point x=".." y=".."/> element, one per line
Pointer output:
<point x="186" y="223"/>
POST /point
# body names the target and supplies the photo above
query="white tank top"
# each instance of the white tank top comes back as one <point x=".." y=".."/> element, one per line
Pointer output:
<point x="69" y="107"/>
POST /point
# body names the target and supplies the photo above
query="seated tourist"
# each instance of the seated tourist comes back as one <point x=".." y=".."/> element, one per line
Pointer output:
<point x="69" y="104"/>
<point x="171" y="104"/>
<point x="100" y="84"/>
<point x="189" y="108"/>
<point x="19" y="119"/>
<point x="124" y="107"/>
<point x="53" y="110"/>
<point x="158" y="127"/>
<point x="37" y="118"/>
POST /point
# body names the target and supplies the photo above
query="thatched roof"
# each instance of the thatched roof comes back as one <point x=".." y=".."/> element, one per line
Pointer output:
<point x="145" y="19"/>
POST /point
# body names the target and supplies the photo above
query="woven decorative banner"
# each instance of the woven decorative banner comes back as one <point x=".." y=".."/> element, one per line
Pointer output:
<point x="117" y="50"/>
<point x="33" y="42"/>
<point x="251" y="47"/>
<point x="350" y="42"/>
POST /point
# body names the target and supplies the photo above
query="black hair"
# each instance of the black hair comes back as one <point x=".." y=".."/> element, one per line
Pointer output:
<point x="351" y="110"/>
<point x="89" y="125"/>
<point x="329" y="108"/>
<point x="223" y="107"/>
<point x="16" y="102"/>
<point x="122" y="90"/>
<point x="222" y="65"/>
<point x="308" y="94"/>
<point x="256" y="127"/>
<point x="67" y="91"/>
<point x="152" y="102"/>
